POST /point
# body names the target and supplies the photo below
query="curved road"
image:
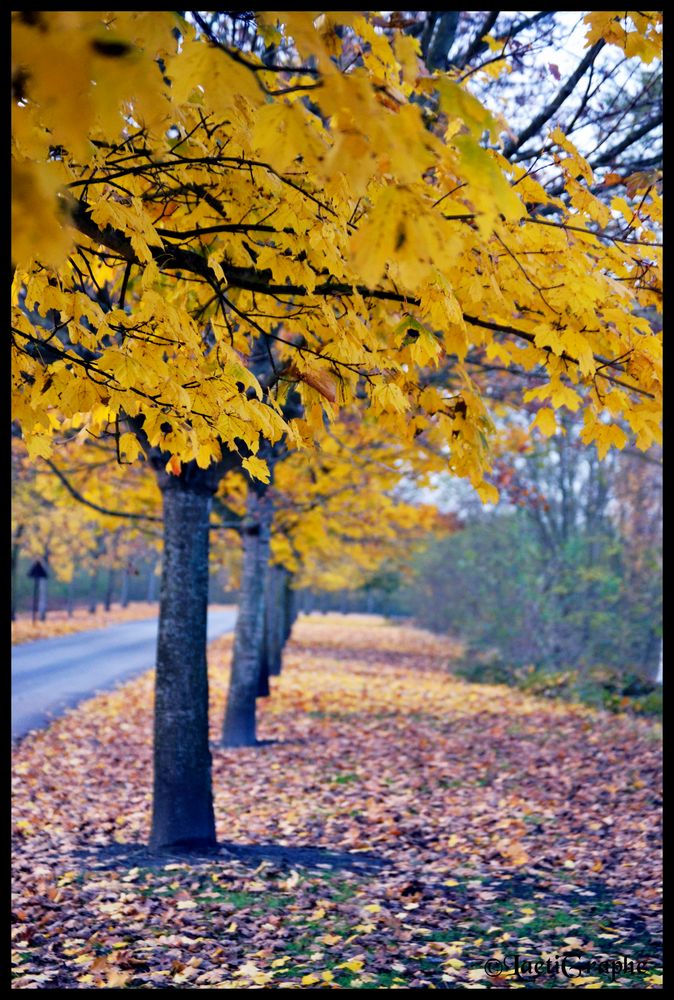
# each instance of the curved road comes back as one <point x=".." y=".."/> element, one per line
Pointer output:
<point x="51" y="675"/>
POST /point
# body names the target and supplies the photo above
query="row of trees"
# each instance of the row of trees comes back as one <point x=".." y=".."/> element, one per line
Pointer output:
<point x="566" y="574"/>
<point x="239" y="238"/>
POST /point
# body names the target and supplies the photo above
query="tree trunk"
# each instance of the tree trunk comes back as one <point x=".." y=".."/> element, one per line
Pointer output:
<point x="183" y="801"/>
<point x="239" y="724"/>
<point x="289" y="612"/>
<point x="267" y="650"/>
<point x="151" y="581"/>
<point x="109" y="589"/>
<point x="274" y="619"/>
<point x="93" y="593"/>
<point x="69" y="598"/>
<point x="124" y="589"/>
<point x="292" y="609"/>
<point x="263" y="689"/>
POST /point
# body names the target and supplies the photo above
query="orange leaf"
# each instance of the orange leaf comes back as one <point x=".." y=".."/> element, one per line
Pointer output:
<point x="319" y="380"/>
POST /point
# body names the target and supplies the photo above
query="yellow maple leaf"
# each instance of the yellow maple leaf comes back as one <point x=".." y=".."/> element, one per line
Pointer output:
<point x="545" y="421"/>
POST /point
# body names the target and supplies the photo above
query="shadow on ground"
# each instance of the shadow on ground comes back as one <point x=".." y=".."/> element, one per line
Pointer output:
<point x="279" y="856"/>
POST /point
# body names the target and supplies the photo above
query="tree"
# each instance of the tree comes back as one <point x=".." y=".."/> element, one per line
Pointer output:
<point x="178" y="201"/>
<point x="565" y="572"/>
<point x="329" y="518"/>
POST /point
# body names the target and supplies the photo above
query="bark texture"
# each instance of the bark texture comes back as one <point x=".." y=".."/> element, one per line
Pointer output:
<point x="274" y="620"/>
<point x="183" y="801"/>
<point x="239" y="728"/>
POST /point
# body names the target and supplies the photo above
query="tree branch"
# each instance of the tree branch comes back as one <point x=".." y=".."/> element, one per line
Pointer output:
<point x="563" y="93"/>
<point x="89" y="503"/>
<point x="477" y="45"/>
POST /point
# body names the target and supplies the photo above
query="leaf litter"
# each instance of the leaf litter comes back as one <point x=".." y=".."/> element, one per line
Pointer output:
<point x="396" y="828"/>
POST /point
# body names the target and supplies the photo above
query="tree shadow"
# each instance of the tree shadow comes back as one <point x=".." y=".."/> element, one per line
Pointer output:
<point x="298" y="740"/>
<point x="279" y="856"/>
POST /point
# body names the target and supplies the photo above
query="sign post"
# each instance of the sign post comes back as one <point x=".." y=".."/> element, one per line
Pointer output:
<point x="37" y="572"/>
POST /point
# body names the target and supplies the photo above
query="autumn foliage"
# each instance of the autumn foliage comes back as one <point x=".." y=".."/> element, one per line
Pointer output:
<point x="331" y="212"/>
<point x="403" y="827"/>
<point x="275" y="283"/>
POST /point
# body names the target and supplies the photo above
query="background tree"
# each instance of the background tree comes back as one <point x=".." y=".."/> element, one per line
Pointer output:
<point x="554" y="578"/>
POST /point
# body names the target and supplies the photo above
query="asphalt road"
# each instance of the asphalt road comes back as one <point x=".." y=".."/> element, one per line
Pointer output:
<point x="51" y="675"/>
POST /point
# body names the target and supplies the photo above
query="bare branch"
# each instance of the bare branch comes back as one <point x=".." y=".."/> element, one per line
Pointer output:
<point x="562" y="94"/>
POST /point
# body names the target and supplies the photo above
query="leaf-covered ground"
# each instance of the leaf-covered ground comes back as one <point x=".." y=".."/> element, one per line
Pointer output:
<point x="81" y="620"/>
<point x="407" y="829"/>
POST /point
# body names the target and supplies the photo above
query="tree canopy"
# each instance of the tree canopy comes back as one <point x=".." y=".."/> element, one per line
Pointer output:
<point x="177" y="200"/>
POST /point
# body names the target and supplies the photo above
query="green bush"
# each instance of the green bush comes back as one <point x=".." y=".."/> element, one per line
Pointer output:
<point x="601" y="687"/>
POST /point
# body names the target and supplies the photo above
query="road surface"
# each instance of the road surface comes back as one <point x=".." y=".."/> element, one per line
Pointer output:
<point x="51" y="675"/>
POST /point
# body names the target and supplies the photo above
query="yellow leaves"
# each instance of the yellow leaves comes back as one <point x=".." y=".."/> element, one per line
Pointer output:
<point x="457" y="102"/>
<point x="574" y="942"/>
<point x="363" y="195"/>
<point x="250" y="971"/>
<point x="257" y="468"/>
<point x="379" y="58"/>
<point x="488" y="189"/>
<point x="82" y="66"/>
<point x="283" y="132"/>
<point x="577" y="346"/>
<point x="39" y="446"/>
<point x="604" y="435"/>
<point x="216" y="268"/>
<point x="37" y="232"/>
<point x="548" y="337"/>
<point x="379" y="237"/>
<point x="388" y="399"/>
<point x="299" y="26"/>
<point x="353" y="965"/>
<point x="530" y="191"/>
<point x="431" y="400"/>
<point x="587" y="203"/>
<point x="372" y="908"/>
<point x="129" y="447"/>
<point x="131" y="219"/>
<point x="400" y="234"/>
<point x="545" y="422"/>
<point x="487" y="492"/>
<point x="424" y="347"/>
<point x="407" y="50"/>
<point x="575" y="163"/>
<point x="559" y="394"/>
<point x="440" y="307"/>
<point x="123" y="368"/>
<point x="637" y="33"/>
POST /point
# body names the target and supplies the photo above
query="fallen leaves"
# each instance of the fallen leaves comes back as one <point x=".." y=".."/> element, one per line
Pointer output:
<point x="439" y="788"/>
